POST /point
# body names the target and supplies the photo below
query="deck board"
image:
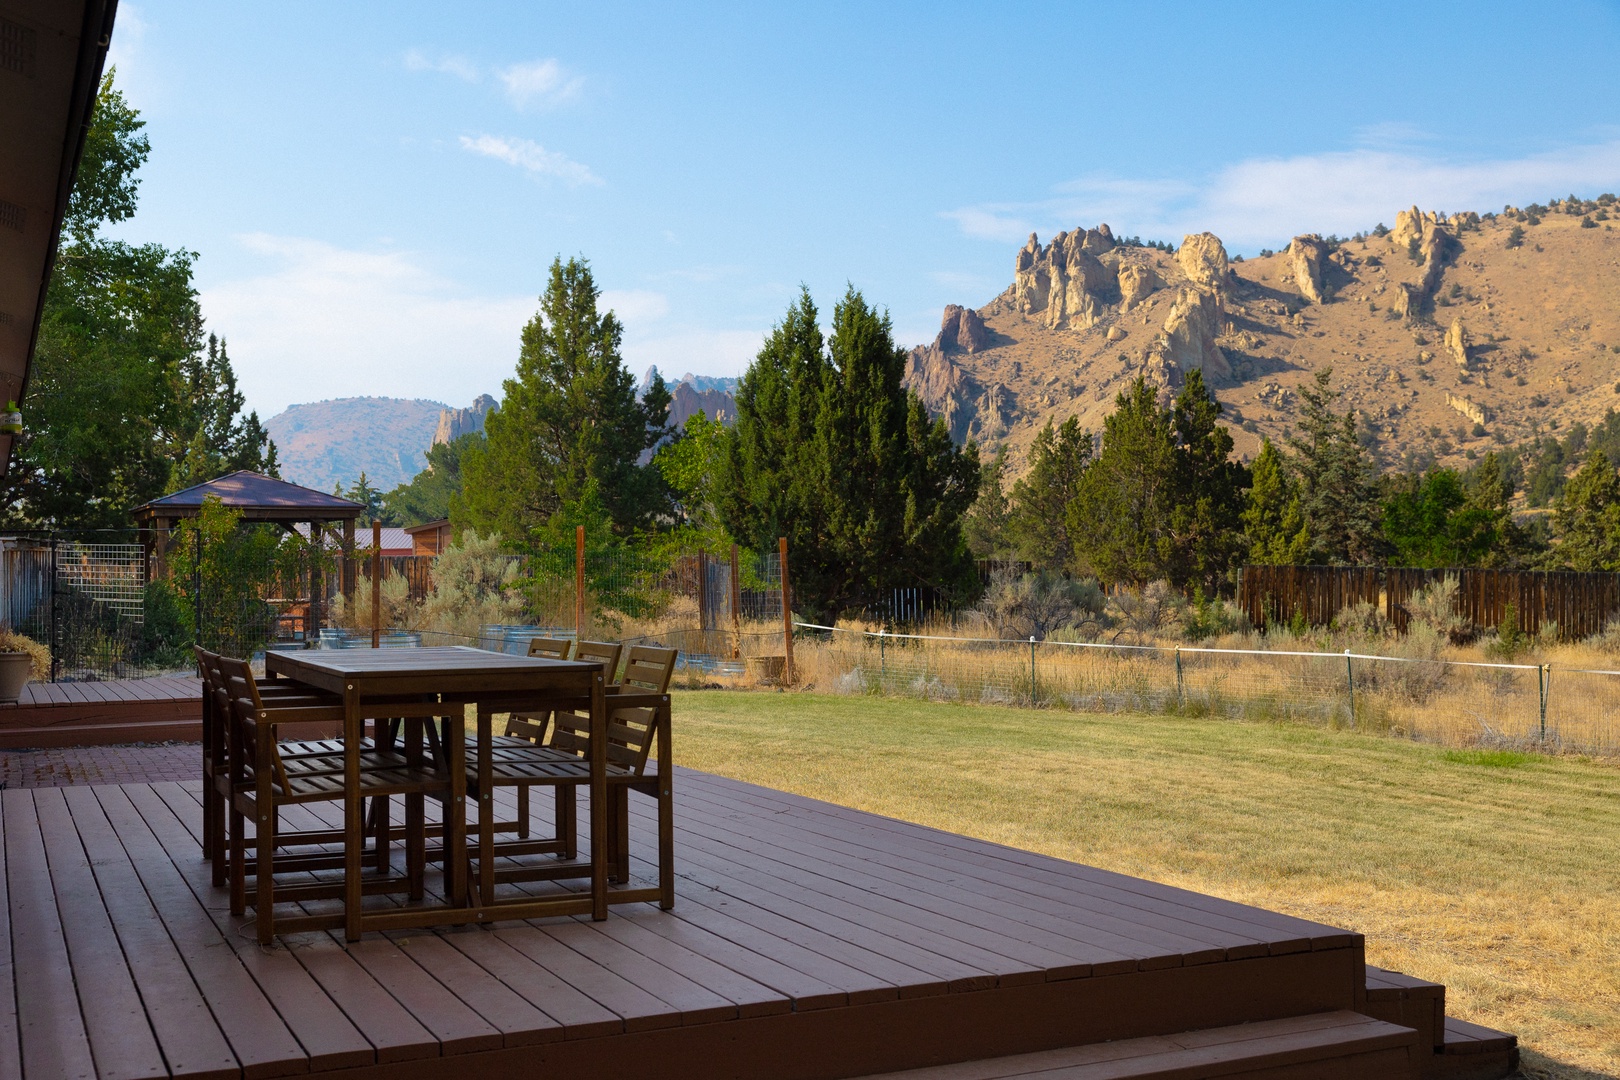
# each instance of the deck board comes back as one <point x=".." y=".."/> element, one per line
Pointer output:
<point x="806" y="941"/>
<point x="103" y="713"/>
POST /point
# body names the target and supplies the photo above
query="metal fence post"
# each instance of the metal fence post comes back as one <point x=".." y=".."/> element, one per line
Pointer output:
<point x="1032" y="669"/>
<point x="1180" y="700"/>
<point x="883" y="659"/>
<point x="1350" y="684"/>
<point x="1544" y="686"/>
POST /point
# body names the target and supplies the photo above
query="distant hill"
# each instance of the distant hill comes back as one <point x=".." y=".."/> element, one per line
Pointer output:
<point x="1449" y="335"/>
<point x="330" y="442"/>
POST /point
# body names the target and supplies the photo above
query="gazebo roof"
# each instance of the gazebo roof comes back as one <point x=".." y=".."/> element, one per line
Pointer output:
<point x="260" y="498"/>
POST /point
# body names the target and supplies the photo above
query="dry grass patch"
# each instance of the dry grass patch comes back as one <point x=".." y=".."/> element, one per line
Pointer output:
<point x="1490" y="871"/>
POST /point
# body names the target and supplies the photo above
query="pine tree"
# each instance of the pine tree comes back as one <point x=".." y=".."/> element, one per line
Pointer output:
<point x="895" y="486"/>
<point x="1038" y="520"/>
<point x="765" y="480"/>
<point x="1588" y="517"/>
<point x="213" y="438"/>
<point x="367" y="495"/>
<point x="985" y="525"/>
<point x="428" y="494"/>
<point x="832" y="452"/>
<point x="570" y="430"/>
<point x="1272" y="519"/>
<point x="1206" y="518"/>
<point x="1335" y="479"/>
<point x="1120" y="520"/>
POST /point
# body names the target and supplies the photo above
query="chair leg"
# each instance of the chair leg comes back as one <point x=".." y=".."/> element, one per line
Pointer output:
<point x="380" y="810"/>
<point x="208" y="815"/>
<point x="214" y="813"/>
<point x="264" y="898"/>
<point x="620" y="801"/>
<point x="567" y="820"/>
<point x="666" y="842"/>
<point x="523" y="811"/>
<point x="415" y="816"/>
<point x="238" y="861"/>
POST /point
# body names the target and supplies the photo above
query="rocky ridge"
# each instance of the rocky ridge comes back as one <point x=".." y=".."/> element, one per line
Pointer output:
<point x="1529" y="330"/>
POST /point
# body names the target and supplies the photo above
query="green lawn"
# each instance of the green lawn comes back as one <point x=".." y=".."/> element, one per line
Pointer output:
<point x="1493" y="872"/>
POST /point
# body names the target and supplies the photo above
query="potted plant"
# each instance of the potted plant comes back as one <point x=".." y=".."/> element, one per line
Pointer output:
<point x="20" y="658"/>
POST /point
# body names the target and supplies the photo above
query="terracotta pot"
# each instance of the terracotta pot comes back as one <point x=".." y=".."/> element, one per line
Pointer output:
<point x="15" y="668"/>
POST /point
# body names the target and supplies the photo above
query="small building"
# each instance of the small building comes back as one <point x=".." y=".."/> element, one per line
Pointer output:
<point x="429" y="538"/>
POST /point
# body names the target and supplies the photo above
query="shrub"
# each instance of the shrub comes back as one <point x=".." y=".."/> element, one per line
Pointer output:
<point x="1515" y="236"/>
<point x="474" y="583"/>
<point x="1149" y="610"/>
<point x="1435" y="606"/>
<point x="1207" y="618"/>
<point x="1510" y="640"/>
<point x="1588" y="223"/>
<point x="1040" y="604"/>
<point x="11" y="641"/>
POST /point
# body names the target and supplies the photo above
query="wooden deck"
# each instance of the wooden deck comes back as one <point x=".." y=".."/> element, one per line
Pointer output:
<point x="103" y="713"/>
<point x="808" y="941"/>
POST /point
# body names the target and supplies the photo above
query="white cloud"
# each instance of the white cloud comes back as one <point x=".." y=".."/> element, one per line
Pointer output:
<point x="539" y="82"/>
<point x="634" y="305"/>
<point x="323" y="321"/>
<point x="1264" y="201"/>
<point x="451" y="64"/>
<point x="531" y="156"/>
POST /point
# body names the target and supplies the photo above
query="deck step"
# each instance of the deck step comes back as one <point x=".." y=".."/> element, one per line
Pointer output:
<point x="1400" y="999"/>
<point x="1474" y="1052"/>
<point x="1462" y="1051"/>
<point x="1321" y="1046"/>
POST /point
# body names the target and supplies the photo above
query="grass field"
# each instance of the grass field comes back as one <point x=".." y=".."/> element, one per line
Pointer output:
<point x="1491" y="871"/>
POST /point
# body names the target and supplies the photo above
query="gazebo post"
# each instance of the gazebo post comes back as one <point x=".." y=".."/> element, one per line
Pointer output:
<point x="317" y="586"/>
<point x="351" y="571"/>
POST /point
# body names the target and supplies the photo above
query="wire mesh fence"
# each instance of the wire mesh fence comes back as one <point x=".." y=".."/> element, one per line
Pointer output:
<point x="1449" y="701"/>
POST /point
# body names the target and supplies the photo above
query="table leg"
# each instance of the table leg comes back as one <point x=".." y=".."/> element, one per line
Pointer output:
<point x="486" y="806"/>
<point x="455" y="812"/>
<point x="354" y="833"/>
<point x="599" y="798"/>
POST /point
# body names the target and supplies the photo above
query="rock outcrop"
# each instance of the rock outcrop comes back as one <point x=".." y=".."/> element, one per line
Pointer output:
<point x="454" y="423"/>
<point x="685" y="400"/>
<point x="1409" y="226"/>
<point x="1137" y="281"/>
<point x="1065" y="282"/>
<point x="1469" y="408"/>
<point x="1202" y="258"/>
<point x="1307" y="260"/>
<point x="961" y="330"/>
<point x="1459" y="342"/>
<point x="1190" y="332"/>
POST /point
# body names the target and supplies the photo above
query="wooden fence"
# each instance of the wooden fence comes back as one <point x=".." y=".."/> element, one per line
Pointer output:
<point x="1581" y="604"/>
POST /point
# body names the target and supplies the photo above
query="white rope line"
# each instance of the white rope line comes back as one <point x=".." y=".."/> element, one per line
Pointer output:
<point x="1346" y="655"/>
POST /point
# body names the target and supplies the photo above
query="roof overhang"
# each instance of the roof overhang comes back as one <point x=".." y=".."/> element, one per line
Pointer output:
<point x="51" y="56"/>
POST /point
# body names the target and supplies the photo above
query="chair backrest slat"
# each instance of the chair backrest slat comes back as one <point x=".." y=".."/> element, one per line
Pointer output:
<point x="631" y="731"/>
<point x="605" y="653"/>
<point x="550" y="648"/>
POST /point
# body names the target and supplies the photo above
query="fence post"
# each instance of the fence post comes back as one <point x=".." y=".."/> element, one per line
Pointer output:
<point x="1350" y="684"/>
<point x="787" y="615"/>
<point x="579" y="583"/>
<point x="56" y="645"/>
<point x="376" y="583"/>
<point x="1544" y="686"/>
<point x="1032" y="671"/>
<point x="736" y="605"/>
<point x="1179" y="699"/>
<point x="883" y="658"/>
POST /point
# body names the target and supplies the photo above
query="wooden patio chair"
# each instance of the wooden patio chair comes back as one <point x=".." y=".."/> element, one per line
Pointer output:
<point x="262" y="781"/>
<point x="216" y="768"/>
<point x="638" y="719"/>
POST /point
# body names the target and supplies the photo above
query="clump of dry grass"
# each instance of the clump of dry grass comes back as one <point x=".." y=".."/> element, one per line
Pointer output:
<point x="1490" y="872"/>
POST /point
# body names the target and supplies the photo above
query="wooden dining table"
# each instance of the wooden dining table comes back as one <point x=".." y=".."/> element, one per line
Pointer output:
<point x="379" y="684"/>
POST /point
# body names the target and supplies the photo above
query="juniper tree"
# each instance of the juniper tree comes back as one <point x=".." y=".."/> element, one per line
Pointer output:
<point x="1273" y="522"/>
<point x="1037" y="521"/>
<point x="570" y="430"/>
<point x="1335" y="479"/>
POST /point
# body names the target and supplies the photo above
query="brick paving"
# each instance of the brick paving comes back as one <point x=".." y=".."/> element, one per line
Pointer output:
<point x="69" y="766"/>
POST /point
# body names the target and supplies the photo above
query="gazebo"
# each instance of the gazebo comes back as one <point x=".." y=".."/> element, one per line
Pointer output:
<point x="260" y="499"/>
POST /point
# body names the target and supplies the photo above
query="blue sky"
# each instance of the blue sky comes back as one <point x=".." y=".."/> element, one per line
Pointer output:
<point x="376" y="191"/>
